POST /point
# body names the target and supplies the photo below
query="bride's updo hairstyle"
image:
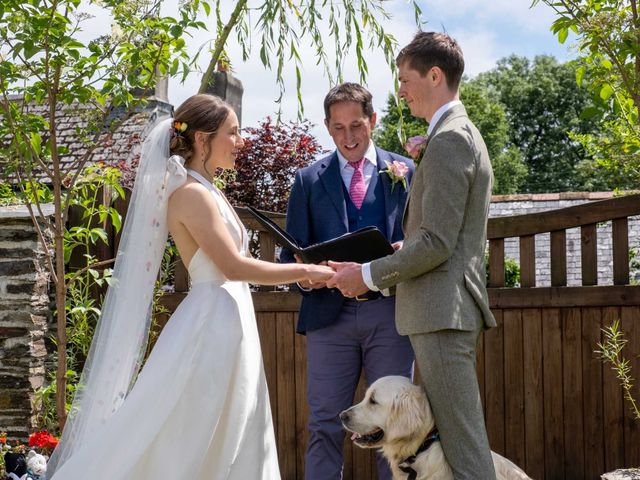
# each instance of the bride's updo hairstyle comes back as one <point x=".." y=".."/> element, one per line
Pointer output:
<point x="199" y="113"/>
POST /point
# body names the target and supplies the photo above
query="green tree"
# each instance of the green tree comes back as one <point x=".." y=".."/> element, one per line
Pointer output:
<point x="608" y="46"/>
<point x="490" y="117"/>
<point x="487" y="114"/>
<point x="543" y="105"/>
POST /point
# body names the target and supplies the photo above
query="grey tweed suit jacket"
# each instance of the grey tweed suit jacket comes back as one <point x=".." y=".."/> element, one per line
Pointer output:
<point x="440" y="272"/>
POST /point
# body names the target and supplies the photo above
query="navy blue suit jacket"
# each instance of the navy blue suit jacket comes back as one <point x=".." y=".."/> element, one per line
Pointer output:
<point x="317" y="212"/>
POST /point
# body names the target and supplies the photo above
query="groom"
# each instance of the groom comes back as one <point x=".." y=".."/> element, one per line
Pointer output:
<point x="341" y="193"/>
<point x="441" y="297"/>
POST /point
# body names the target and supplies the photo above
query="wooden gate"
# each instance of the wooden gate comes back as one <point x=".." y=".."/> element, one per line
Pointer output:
<point x="551" y="405"/>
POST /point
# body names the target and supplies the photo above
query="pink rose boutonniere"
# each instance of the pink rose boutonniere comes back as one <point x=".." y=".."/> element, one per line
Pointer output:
<point x="415" y="147"/>
<point x="397" y="172"/>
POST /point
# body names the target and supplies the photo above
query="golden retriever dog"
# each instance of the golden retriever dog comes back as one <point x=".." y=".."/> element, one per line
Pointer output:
<point x="395" y="416"/>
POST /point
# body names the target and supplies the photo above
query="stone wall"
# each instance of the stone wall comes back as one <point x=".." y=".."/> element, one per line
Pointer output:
<point x="25" y="316"/>
<point x="506" y="205"/>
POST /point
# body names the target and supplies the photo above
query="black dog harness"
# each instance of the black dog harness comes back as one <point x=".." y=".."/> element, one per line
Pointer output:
<point x="405" y="465"/>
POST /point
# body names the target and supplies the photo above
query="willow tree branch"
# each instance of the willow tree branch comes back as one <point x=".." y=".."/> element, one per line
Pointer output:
<point x="220" y="43"/>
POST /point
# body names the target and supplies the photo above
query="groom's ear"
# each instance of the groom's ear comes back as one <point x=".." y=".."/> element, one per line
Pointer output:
<point x="436" y="76"/>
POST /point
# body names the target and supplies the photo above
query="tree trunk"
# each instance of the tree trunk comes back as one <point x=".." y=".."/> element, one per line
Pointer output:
<point x="61" y="296"/>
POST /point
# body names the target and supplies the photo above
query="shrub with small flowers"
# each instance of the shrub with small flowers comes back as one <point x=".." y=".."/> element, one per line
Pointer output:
<point x="18" y="460"/>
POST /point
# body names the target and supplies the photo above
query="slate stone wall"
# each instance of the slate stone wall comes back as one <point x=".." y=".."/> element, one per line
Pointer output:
<point x="25" y="319"/>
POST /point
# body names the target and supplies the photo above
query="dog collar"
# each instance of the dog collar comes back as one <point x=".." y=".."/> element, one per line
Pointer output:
<point x="405" y="465"/>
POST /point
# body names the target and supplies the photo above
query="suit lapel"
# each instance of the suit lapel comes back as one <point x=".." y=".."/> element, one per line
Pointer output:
<point x="390" y="198"/>
<point x="332" y="182"/>
<point x="453" y="112"/>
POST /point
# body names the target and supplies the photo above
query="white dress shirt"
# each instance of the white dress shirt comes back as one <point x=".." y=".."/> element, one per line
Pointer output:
<point x="366" y="267"/>
<point x="369" y="167"/>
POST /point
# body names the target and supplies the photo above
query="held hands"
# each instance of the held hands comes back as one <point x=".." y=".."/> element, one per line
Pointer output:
<point x="348" y="279"/>
<point x="313" y="282"/>
<point x="345" y="276"/>
<point x="317" y="276"/>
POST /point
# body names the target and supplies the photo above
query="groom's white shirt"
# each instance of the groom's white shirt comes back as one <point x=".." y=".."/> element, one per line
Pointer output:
<point x="366" y="267"/>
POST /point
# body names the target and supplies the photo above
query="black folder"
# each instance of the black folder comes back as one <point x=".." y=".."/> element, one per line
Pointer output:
<point x="360" y="246"/>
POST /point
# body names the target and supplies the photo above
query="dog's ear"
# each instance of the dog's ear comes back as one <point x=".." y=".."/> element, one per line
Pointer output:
<point x="409" y="414"/>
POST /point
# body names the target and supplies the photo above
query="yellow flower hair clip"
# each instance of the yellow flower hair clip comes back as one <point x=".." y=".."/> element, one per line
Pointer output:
<point x="180" y="126"/>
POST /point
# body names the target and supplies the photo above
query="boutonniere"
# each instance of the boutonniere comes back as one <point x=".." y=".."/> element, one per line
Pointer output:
<point x="415" y="147"/>
<point x="397" y="172"/>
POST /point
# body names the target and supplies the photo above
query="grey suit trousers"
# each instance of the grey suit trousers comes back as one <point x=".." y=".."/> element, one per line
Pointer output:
<point x="447" y="363"/>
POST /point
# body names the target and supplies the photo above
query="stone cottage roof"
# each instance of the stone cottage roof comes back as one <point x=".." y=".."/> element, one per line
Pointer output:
<point x="120" y="145"/>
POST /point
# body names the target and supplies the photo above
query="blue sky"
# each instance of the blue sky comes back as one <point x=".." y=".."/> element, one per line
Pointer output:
<point x="486" y="30"/>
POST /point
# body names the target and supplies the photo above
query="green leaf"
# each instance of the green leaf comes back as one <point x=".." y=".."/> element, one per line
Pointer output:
<point x="589" y="112"/>
<point x="116" y="220"/>
<point x="36" y="143"/>
<point x="606" y="91"/>
<point x="580" y="71"/>
<point x="562" y="34"/>
<point x="207" y="8"/>
<point x="30" y="49"/>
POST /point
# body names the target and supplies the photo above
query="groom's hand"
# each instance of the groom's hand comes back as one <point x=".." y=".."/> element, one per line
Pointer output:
<point x="348" y="279"/>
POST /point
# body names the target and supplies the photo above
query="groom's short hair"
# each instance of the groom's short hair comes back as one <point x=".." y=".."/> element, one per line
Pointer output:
<point x="434" y="49"/>
<point x="349" y="92"/>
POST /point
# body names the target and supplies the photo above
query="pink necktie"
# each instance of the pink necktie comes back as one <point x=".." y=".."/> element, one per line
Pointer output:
<point x="357" y="189"/>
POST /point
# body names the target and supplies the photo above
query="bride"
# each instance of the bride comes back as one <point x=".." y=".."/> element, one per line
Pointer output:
<point x="199" y="409"/>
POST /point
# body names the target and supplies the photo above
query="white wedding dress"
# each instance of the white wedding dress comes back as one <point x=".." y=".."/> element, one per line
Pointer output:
<point x="200" y="407"/>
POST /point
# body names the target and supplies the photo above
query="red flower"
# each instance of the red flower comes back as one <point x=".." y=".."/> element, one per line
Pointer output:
<point x="43" y="440"/>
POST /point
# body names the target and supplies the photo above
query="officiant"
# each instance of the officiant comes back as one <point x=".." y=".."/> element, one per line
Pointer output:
<point x="356" y="186"/>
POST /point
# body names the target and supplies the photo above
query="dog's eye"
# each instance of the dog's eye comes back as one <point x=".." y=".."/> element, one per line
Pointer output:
<point x="372" y="400"/>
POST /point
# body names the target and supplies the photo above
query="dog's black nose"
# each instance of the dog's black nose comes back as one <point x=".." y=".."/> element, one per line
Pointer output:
<point x="344" y="416"/>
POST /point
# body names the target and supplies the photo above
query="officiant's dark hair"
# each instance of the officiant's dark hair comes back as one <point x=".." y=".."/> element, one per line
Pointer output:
<point x="434" y="49"/>
<point x="349" y="92"/>
<point x="200" y="113"/>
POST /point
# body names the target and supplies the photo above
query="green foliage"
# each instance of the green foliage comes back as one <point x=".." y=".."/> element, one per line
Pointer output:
<point x="85" y="198"/>
<point x="487" y="114"/>
<point x="8" y="196"/>
<point x="26" y="192"/>
<point x="511" y="271"/>
<point x="85" y="281"/>
<point x="609" y="67"/>
<point x="543" y="106"/>
<point x="610" y="351"/>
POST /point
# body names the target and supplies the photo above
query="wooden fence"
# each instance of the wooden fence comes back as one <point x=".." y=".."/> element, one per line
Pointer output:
<point x="551" y="405"/>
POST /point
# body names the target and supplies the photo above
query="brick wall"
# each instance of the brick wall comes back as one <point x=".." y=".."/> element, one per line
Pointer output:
<point x="505" y="205"/>
<point x="25" y="316"/>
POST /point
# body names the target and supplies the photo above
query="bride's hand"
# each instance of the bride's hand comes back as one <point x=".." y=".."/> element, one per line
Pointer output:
<point x="318" y="274"/>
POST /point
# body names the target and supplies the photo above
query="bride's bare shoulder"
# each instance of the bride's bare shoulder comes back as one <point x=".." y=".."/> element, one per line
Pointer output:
<point x="191" y="198"/>
<point x="189" y="190"/>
